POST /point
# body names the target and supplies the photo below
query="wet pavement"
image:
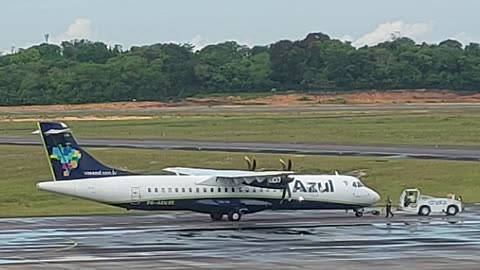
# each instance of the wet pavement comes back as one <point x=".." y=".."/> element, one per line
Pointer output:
<point x="267" y="240"/>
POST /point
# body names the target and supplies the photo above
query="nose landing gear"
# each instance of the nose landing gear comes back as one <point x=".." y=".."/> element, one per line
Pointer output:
<point x="234" y="216"/>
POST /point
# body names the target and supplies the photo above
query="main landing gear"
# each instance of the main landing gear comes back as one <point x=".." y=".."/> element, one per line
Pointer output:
<point x="232" y="216"/>
<point x="216" y="216"/>
<point x="358" y="212"/>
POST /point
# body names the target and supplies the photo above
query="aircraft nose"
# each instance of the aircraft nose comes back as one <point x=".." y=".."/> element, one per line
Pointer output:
<point x="375" y="196"/>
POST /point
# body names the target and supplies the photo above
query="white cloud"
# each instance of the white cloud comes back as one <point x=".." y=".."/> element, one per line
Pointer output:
<point x="199" y="42"/>
<point x="384" y="32"/>
<point x="81" y="28"/>
<point x="345" y="38"/>
<point x="465" y="38"/>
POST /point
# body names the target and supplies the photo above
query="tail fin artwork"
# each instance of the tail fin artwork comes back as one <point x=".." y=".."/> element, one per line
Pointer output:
<point x="67" y="160"/>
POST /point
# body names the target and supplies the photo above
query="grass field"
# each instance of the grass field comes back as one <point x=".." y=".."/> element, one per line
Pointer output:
<point x="23" y="166"/>
<point x="426" y="127"/>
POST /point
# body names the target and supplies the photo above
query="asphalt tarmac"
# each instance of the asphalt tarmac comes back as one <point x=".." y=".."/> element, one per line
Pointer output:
<point x="394" y="151"/>
<point x="266" y="240"/>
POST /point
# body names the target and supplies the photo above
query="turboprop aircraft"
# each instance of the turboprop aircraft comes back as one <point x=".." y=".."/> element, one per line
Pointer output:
<point x="216" y="192"/>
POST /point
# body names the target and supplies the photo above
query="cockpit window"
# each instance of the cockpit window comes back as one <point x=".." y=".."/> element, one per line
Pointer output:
<point x="357" y="184"/>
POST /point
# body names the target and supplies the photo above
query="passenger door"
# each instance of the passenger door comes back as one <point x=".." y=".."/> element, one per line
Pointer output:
<point x="135" y="195"/>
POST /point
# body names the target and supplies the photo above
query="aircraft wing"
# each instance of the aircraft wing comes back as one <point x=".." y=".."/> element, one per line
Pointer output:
<point x="200" y="171"/>
<point x="229" y="177"/>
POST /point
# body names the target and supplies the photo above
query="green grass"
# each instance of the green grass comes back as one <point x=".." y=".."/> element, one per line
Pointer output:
<point x="23" y="166"/>
<point x="423" y="127"/>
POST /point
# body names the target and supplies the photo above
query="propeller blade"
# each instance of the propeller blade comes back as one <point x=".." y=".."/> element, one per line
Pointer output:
<point x="286" y="166"/>
<point x="286" y="189"/>
<point x="249" y="163"/>
<point x="358" y="173"/>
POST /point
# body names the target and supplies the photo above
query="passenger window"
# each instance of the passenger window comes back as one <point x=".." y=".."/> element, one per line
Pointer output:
<point x="163" y="190"/>
<point x="261" y="190"/>
<point x="226" y="189"/>
<point x="183" y="189"/>
<point x="219" y="189"/>
<point x="176" y="190"/>
<point x="149" y="190"/>
<point x="198" y="190"/>
<point x="233" y="189"/>
<point x="156" y="190"/>
<point x="169" y="190"/>
<point x="254" y="190"/>
<point x="205" y="190"/>
<point x="190" y="190"/>
<point x="239" y="189"/>
<point x="247" y="189"/>
<point x="212" y="190"/>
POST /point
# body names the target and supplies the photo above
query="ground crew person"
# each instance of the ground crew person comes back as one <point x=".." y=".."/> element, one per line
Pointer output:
<point x="388" y="207"/>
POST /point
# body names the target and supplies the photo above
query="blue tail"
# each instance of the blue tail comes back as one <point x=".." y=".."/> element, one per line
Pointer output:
<point x="68" y="161"/>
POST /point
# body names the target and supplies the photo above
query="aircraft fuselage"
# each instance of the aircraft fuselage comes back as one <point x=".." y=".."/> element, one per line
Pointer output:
<point x="173" y="192"/>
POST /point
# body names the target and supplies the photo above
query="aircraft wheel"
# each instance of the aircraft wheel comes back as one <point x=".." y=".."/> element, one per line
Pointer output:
<point x="424" y="211"/>
<point x="216" y="216"/>
<point x="358" y="214"/>
<point x="452" y="210"/>
<point x="234" y="216"/>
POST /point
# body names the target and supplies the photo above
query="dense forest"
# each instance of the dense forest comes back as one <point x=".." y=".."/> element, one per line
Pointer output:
<point x="82" y="71"/>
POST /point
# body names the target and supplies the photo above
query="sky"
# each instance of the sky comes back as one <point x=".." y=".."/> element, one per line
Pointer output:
<point x="23" y="23"/>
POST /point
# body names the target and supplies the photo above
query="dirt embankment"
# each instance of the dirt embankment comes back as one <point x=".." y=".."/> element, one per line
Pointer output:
<point x="361" y="97"/>
<point x="370" y="97"/>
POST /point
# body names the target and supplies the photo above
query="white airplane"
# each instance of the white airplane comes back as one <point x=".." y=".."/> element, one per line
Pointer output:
<point x="215" y="192"/>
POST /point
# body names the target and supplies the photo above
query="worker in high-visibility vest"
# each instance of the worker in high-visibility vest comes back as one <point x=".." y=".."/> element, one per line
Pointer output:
<point x="388" y="207"/>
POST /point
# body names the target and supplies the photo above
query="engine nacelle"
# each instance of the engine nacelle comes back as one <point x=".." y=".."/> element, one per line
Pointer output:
<point x="275" y="182"/>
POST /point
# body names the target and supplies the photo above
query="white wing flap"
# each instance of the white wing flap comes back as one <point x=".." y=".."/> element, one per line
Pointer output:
<point x="198" y="171"/>
<point x="227" y="177"/>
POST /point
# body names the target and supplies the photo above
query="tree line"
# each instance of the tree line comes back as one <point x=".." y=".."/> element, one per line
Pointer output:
<point x="83" y="71"/>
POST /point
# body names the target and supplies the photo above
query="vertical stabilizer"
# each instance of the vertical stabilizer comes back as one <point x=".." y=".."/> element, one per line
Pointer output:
<point x="67" y="160"/>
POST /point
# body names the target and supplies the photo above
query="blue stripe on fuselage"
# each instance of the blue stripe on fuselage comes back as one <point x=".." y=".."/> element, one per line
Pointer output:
<point x="228" y="204"/>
